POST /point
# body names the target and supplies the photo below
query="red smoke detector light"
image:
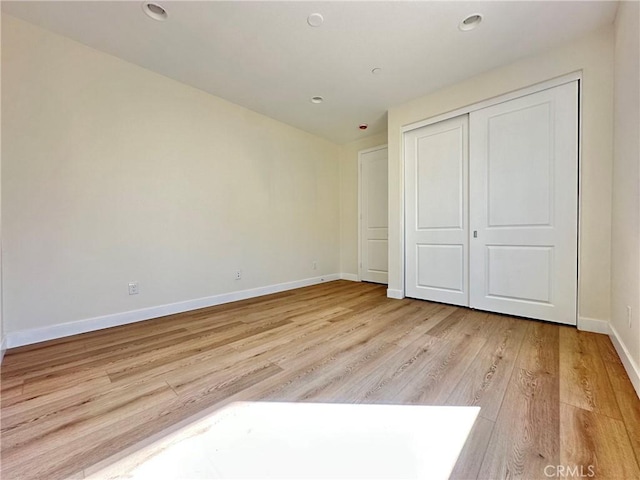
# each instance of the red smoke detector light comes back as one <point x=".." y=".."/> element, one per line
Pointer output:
<point x="363" y="126"/>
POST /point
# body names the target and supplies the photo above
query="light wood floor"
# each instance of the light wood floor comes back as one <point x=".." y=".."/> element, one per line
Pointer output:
<point x="549" y="395"/>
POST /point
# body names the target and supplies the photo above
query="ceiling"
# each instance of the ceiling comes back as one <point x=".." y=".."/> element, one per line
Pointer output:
<point x="266" y="57"/>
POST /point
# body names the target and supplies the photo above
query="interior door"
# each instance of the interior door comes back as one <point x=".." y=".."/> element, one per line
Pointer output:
<point x="524" y="207"/>
<point x="436" y="224"/>
<point x="374" y="226"/>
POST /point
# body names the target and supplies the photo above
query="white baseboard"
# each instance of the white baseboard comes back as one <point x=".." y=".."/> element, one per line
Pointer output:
<point x="629" y="364"/>
<point x="352" y="277"/>
<point x="593" y="325"/>
<point x="397" y="294"/>
<point x="35" y="335"/>
<point x="3" y="348"/>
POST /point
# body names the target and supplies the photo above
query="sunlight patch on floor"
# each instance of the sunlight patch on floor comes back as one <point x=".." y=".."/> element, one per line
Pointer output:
<point x="306" y="440"/>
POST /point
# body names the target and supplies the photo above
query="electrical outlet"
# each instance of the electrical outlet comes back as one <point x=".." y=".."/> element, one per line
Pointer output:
<point x="314" y="265"/>
<point x="629" y="315"/>
<point x="133" y="288"/>
<point x="238" y="274"/>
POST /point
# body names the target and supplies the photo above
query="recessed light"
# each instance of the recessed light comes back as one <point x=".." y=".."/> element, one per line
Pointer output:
<point x="376" y="71"/>
<point x="317" y="99"/>
<point x="315" y="19"/>
<point x="470" y="22"/>
<point x="155" y="11"/>
<point x="363" y="126"/>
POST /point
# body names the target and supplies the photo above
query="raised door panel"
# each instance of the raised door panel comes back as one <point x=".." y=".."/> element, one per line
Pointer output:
<point x="507" y="264"/>
<point x="519" y="169"/>
<point x="439" y="179"/>
<point x="377" y="190"/>
<point x="377" y="256"/>
<point x="441" y="267"/>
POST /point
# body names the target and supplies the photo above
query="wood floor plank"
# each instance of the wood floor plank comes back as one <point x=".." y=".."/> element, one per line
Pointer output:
<point x="485" y="382"/>
<point x="316" y="371"/>
<point x="314" y="382"/>
<point x="187" y="366"/>
<point x="83" y="360"/>
<point x="247" y="316"/>
<point x="216" y="375"/>
<point x="378" y="379"/>
<point x="339" y="335"/>
<point x="434" y="378"/>
<point x="595" y="444"/>
<point x="482" y="324"/>
<point x="295" y="331"/>
<point x="27" y="352"/>
<point x="8" y="383"/>
<point x="584" y="381"/>
<point x="51" y="383"/>
<point x="44" y="354"/>
<point x="29" y="407"/>
<point x="475" y="448"/>
<point x="207" y="340"/>
<point x="40" y="435"/>
<point x="526" y="435"/>
<point x="453" y="324"/>
<point x="167" y="327"/>
<point x="71" y="403"/>
<point x="607" y="350"/>
<point x="624" y="392"/>
<point x="431" y="315"/>
<point x="10" y="391"/>
<point x="73" y="446"/>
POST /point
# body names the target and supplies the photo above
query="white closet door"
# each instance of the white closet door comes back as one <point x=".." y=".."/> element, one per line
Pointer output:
<point x="523" y="206"/>
<point x="436" y="186"/>
<point x="374" y="214"/>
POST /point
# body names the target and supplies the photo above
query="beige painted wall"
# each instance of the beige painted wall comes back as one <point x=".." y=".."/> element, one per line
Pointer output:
<point x="112" y="173"/>
<point x="2" y="337"/>
<point x="625" y="232"/>
<point x="349" y="200"/>
<point x="594" y="56"/>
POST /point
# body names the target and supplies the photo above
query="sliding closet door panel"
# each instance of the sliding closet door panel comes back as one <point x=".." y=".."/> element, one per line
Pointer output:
<point x="436" y="186"/>
<point x="523" y="206"/>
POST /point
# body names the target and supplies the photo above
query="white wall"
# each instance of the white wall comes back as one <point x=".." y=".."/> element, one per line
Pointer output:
<point x="349" y="201"/>
<point x="112" y="173"/>
<point x="625" y="232"/>
<point x="594" y="56"/>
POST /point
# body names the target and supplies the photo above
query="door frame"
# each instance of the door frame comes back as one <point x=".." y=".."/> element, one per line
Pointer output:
<point x="538" y="87"/>
<point x="360" y="202"/>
